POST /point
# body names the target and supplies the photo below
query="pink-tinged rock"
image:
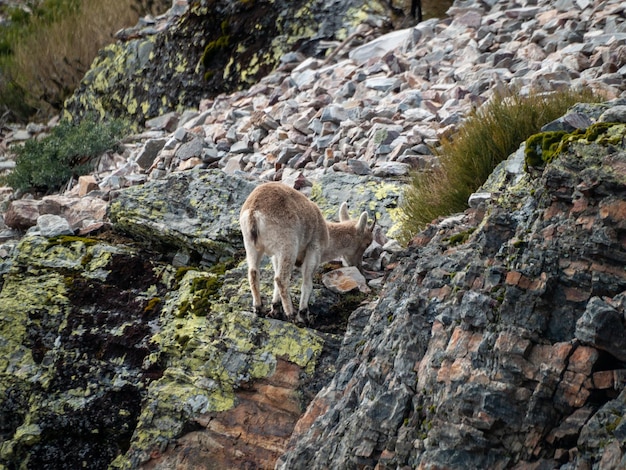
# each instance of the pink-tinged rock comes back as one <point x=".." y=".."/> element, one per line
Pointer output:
<point x="86" y="184"/>
<point x="22" y="214"/>
<point x="551" y="357"/>
<point x="189" y="164"/>
<point x="470" y="19"/>
<point x="344" y="280"/>
<point x="256" y="430"/>
<point x="512" y="343"/>
<point x="603" y="380"/>
<point x="576" y="384"/>
<point x="614" y="212"/>
<point x="56" y="204"/>
<point x="85" y="211"/>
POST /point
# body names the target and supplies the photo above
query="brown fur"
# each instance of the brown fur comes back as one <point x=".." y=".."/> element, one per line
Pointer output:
<point x="284" y="224"/>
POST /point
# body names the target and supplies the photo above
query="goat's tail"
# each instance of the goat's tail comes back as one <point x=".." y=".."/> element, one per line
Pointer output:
<point x="253" y="227"/>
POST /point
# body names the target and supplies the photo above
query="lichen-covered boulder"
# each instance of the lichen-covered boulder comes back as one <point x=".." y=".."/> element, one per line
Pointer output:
<point x="111" y="359"/>
<point x="213" y="47"/>
<point x="196" y="212"/>
<point x="378" y="196"/>
<point x="76" y="317"/>
<point x="233" y="381"/>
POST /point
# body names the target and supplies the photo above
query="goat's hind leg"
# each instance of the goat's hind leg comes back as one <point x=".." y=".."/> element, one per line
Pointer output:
<point x="310" y="263"/>
<point x="283" y="267"/>
<point x="253" y="259"/>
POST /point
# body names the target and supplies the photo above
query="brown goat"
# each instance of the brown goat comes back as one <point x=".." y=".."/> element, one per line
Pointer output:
<point x="284" y="224"/>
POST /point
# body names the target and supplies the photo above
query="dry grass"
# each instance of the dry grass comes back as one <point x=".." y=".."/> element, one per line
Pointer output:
<point x="487" y="137"/>
<point x="49" y="63"/>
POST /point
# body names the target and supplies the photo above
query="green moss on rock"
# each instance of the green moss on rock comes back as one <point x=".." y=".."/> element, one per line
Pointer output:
<point x="544" y="147"/>
<point x="541" y="148"/>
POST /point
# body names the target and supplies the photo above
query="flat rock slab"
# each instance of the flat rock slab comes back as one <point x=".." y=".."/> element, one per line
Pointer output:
<point x="344" y="280"/>
<point x="196" y="210"/>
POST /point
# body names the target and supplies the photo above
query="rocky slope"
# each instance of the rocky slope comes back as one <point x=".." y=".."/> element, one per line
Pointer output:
<point x="494" y="341"/>
<point x="498" y="341"/>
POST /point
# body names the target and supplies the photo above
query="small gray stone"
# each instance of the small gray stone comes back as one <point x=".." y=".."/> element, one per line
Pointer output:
<point x="149" y="152"/>
<point x="359" y="167"/>
<point x="383" y="84"/>
<point x="614" y="114"/>
<point x="50" y="225"/>
<point x="476" y="199"/>
<point x="167" y="121"/>
<point x="601" y="326"/>
<point x="384" y="169"/>
<point x="21" y="134"/>
<point x="568" y="123"/>
<point x="334" y="113"/>
<point x="193" y="148"/>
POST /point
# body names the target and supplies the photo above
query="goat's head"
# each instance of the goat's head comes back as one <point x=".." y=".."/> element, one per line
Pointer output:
<point x="362" y="236"/>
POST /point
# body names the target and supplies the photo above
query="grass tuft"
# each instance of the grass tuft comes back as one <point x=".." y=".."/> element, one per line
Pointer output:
<point x="467" y="158"/>
<point x="45" y="53"/>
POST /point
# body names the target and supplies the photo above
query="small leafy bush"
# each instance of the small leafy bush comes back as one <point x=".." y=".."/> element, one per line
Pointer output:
<point x="487" y="137"/>
<point x="69" y="151"/>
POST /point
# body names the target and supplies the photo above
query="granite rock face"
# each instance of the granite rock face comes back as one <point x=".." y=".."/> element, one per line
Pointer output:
<point x="497" y="342"/>
<point x="114" y="358"/>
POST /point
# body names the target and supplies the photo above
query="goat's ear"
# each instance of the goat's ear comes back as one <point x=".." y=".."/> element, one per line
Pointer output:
<point x="370" y="227"/>
<point x="343" y="213"/>
<point x="362" y="223"/>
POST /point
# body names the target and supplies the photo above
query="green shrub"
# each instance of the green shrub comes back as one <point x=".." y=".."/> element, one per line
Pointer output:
<point x="467" y="158"/>
<point x="69" y="151"/>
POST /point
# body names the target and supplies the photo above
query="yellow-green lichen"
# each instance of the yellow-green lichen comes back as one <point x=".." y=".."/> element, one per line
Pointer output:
<point x="461" y="237"/>
<point x="23" y="296"/>
<point x="75" y="253"/>
<point x="542" y="148"/>
<point x="207" y="358"/>
<point x="395" y="214"/>
<point x="132" y="106"/>
<point x="27" y="434"/>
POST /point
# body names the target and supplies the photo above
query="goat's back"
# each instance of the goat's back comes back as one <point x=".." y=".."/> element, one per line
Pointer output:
<point x="276" y="217"/>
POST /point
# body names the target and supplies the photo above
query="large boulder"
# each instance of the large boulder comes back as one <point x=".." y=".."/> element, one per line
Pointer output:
<point x="197" y="212"/>
<point x="211" y="48"/>
<point x="110" y="357"/>
<point x="194" y="212"/>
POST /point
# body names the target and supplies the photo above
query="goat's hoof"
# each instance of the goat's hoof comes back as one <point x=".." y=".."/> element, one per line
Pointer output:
<point x="303" y="318"/>
<point x="276" y="312"/>
<point x="259" y="311"/>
